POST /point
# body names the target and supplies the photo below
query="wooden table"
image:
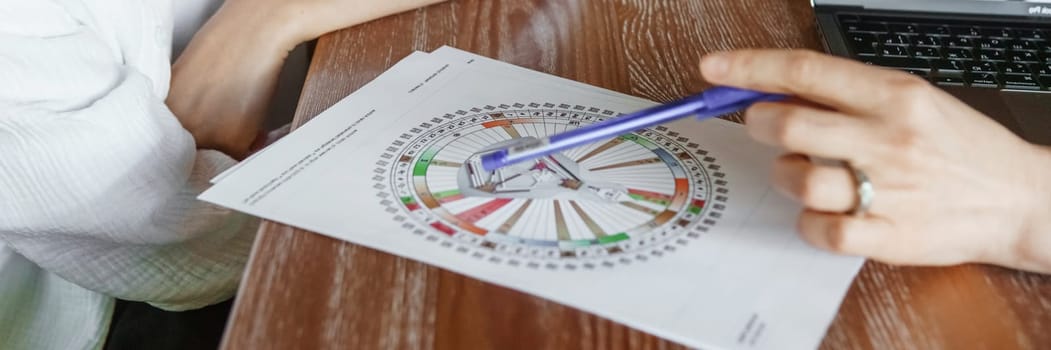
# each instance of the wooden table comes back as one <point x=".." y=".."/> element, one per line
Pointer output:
<point x="306" y="291"/>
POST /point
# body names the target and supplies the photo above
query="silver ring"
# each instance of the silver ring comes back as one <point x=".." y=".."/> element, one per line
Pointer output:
<point x="864" y="190"/>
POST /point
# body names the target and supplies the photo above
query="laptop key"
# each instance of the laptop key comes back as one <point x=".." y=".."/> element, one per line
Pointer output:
<point x="998" y="44"/>
<point x="1023" y="56"/>
<point x="960" y="42"/>
<point x="894" y="39"/>
<point x="983" y="67"/>
<point x="927" y="40"/>
<point x="904" y="28"/>
<point x="894" y="51"/>
<point x="1043" y="69"/>
<point x="991" y="55"/>
<point x="965" y="31"/>
<point x="935" y="30"/>
<point x="1024" y="45"/>
<point x="926" y="52"/>
<point x="950" y="66"/>
<point x="1018" y="68"/>
<point x="982" y="79"/>
<point x="863" y="43"/>
<point x="1045" y="82"/>
<point x="919" y="73"/>
<point x="1031" y="34"/>
<point x="1021" y="82"/>
<point x="959" y="54"/>
<point x="948" y="80"/>
<point x="866" y="27"/>
<point x="898" y="62"/>
<point x="997" y="32"/>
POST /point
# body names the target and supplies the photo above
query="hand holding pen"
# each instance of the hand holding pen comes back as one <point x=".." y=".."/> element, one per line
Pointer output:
<point x="930" y="180"/>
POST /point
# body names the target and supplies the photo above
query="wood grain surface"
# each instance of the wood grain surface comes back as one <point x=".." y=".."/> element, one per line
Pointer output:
<point x="306" y="291"/>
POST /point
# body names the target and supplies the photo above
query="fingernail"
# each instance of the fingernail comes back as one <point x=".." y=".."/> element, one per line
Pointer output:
<point x="715" y="66"/>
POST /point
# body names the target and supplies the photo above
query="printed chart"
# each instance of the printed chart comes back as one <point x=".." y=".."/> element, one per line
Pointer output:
<point x="623" y="201"/>
<point x="678" y="220"/>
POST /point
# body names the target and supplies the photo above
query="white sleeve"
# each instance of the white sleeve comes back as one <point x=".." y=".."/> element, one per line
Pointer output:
<point x="98" y="180"/>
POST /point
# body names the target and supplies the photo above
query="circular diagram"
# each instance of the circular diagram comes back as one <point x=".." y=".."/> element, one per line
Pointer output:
<point x="625" y="200"/>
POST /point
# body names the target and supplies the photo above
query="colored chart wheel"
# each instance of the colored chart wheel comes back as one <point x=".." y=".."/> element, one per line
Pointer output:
<point x="626" y="200"/>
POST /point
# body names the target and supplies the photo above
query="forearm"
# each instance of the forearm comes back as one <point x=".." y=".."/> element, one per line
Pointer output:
<point x="312" y="18"/>
<point x="1032" y="249"/>
<point x="222" y="83"/>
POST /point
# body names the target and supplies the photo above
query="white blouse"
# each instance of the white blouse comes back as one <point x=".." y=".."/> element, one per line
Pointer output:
<point x="97" y="178"/>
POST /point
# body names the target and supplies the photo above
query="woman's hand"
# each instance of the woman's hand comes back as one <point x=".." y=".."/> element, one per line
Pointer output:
<point x="951" y="185"/>
<point x="223" y="82"/>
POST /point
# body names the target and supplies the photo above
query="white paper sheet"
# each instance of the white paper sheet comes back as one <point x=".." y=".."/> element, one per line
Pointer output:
<point x="674" y="231"/>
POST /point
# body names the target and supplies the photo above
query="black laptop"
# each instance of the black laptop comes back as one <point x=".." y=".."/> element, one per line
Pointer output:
<point x="993" y="54"/>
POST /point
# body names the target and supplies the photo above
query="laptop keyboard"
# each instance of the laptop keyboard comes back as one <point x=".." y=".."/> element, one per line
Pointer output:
<point x="987" y="55"/>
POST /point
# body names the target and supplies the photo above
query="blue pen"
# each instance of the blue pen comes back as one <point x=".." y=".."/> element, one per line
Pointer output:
<point x="714" y="102"/>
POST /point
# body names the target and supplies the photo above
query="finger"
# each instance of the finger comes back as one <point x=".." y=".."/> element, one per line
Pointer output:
<point x="835" y="82"/>
<point x="848" y="235"/>
<point x="812" y="131"/>
<point x="806" y="103"/>
<point x="818" y="187"/>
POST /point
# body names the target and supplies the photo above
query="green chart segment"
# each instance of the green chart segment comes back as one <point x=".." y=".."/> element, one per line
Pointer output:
<point x="423" y="162"/>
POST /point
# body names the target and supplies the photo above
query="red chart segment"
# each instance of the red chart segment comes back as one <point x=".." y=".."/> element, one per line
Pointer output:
<point x="477" y="213"/>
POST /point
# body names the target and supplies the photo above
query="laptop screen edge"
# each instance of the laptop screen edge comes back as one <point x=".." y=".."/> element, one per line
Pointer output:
<point x="1014" y="8"/>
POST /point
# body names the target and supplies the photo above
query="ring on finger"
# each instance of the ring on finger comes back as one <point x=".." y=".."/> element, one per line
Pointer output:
<point x="865" y="191"/>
